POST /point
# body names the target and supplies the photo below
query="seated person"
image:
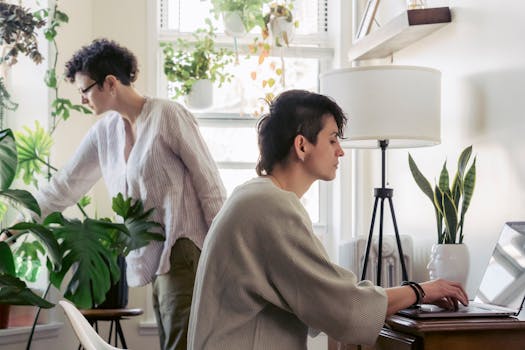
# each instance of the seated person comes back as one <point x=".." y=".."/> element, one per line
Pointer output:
<point x="264" y="277"/>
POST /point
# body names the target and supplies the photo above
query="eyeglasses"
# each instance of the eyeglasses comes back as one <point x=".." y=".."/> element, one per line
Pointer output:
<point x="84" y="91"/>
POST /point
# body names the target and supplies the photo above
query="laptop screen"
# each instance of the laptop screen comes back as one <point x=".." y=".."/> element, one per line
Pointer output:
<point x="503" y="283"/>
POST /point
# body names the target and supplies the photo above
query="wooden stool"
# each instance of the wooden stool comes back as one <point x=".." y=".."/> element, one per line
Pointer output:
<point x="114" y="316"/>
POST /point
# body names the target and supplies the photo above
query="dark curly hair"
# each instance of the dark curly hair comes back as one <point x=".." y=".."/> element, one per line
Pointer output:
<point x="292" y="113"/>
<point x="101" y="58"/>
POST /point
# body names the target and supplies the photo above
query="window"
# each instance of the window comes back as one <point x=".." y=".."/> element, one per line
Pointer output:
<point x="229" y="126"/>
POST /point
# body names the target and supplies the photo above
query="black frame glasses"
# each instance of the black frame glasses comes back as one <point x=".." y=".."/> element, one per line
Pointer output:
<point x="84" y="91"/>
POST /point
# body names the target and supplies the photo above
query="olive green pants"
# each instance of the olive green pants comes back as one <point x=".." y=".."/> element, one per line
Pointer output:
<point x="172" y="293"/>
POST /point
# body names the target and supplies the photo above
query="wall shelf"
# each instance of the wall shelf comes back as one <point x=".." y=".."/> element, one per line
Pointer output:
<point x="401" y="31"/>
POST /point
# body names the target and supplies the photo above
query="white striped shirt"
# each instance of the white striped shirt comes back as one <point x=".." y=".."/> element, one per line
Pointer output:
<point x="169" y="169"/>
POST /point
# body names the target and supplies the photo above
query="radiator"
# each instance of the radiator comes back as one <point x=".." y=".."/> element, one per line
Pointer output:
<point x="352" y="253"/>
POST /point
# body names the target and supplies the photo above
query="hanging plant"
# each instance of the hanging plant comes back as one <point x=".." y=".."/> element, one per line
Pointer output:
<point x="17" y="33"/>
<point x="276" y="32"/>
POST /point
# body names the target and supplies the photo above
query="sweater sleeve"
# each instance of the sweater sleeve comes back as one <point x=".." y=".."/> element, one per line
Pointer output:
<point x="321" y="294"/>
<point x="184" y="138"/>
<point x="74" y="180"/>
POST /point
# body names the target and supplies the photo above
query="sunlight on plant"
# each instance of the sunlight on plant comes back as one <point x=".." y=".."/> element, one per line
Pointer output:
<point x="34" y="148"/>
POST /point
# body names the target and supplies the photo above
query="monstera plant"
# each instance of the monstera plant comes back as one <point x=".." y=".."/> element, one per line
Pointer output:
<point x="87" y="248"/>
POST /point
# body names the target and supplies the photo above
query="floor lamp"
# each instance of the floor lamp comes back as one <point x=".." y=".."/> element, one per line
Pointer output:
<point x="387" y="106"/>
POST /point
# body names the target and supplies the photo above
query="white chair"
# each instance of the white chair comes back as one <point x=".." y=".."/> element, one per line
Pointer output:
<point x="87" y="336"/>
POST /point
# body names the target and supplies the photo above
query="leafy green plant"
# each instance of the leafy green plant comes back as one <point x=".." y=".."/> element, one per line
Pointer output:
<point x="89" y="248"/>
<point x="196" y="59"/>
<point x="12" y="289"/>
<point x="450" y="201"/>
<point x="250" y="11"/>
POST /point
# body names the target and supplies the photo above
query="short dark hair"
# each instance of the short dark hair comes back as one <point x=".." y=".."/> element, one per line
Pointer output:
<point x="292" y="113"/>
<point x="101" y="58"/>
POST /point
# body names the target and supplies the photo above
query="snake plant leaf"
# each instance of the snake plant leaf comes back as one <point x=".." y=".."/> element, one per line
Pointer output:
<point x="33" y="146"/>
<point x="470" y="182"/>
<point x="420" y="179"/>
<point x="438" y="200"/>
<point x="8" y="158"/>
<point x="23" y="198"/>
<point x="443" y="179"/>
<point x="46" y="237"/>
<point x="457" y="189"/>
<point x="93" y="264"/>
<point x="463" y="160"/>
<point x="450" y="216"/>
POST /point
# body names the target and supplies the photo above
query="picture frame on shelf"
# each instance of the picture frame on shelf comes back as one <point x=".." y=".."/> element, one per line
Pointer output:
<point x="367" y="18"/>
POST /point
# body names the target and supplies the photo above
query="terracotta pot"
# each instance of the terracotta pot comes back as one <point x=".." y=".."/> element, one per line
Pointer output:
<point x="4" y="315"/>
<point x="449" y="261"/>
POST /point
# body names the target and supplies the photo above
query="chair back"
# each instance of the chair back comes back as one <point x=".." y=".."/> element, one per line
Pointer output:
<point x="88" y="337"/>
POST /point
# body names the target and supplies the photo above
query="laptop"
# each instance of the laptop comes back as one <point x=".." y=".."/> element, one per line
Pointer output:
<point x="502" y="288"/>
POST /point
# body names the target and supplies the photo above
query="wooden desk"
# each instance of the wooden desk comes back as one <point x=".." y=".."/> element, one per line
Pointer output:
<point x="401" y="333"/>
<point x="114" y="316"/>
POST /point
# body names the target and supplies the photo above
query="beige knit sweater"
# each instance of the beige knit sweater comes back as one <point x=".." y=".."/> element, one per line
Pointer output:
<point x="264" y="278"/>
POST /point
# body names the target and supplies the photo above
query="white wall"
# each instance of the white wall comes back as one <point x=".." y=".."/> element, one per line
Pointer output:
<point x="481" y="57"/>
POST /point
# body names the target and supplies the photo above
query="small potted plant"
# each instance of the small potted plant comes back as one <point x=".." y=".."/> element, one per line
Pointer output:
<point x="194" y="65"/>
<point x="239" y="16"/>
<point x="449" y="257"/>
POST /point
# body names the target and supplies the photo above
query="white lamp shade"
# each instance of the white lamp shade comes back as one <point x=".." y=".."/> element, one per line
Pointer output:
<point x="401" y="104"/>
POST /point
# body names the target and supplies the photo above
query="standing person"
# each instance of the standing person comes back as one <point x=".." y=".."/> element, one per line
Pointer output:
<point x="264" y="277"/>
<point x="150" y="149"/>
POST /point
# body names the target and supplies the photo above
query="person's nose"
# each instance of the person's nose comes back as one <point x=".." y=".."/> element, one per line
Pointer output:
<point x="340" y="151"/>
<point x="84" y="99"/>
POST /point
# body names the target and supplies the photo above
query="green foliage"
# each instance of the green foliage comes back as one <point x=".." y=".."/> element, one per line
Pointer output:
<point x="137" y="224"/>
<point x="250" y="11"/>
<point x="34" y="146"/>
<point x="450" y="202"/>
<point x="8" y="158"/>
<point x="196" y="59"/>
<point x="18" y="31"/>
<point x="5" y="98"/>
<point x="27" y="258"/>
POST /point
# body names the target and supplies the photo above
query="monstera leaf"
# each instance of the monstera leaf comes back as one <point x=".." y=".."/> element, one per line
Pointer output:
<point x="93" y="264"/>
<point x="13" y="290"/>
<point x="137" y="224"/>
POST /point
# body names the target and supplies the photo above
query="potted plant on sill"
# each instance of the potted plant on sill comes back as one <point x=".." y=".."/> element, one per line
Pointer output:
<point x="194" y="65"/>
<point x="239" y="16"/>
<point x="449" y="257"/>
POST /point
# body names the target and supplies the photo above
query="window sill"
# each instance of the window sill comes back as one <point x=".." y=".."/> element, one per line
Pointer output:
<point x="148" y="328"/>
<point x="21" y="334"/>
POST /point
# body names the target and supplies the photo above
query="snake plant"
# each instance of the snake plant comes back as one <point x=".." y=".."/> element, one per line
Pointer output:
<point x="450" y="201"/>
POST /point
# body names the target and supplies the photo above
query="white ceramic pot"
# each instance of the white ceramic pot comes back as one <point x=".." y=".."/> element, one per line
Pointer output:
<point x="201" y="95"/>
<point x="233" y="25"/>
<point x="281" y="31"/>
<point x="449" y="261"/>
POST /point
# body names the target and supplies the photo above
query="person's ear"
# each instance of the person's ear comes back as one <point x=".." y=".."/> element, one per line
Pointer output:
<point x="111" y="82"/>
<point x="300" y="144"/>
